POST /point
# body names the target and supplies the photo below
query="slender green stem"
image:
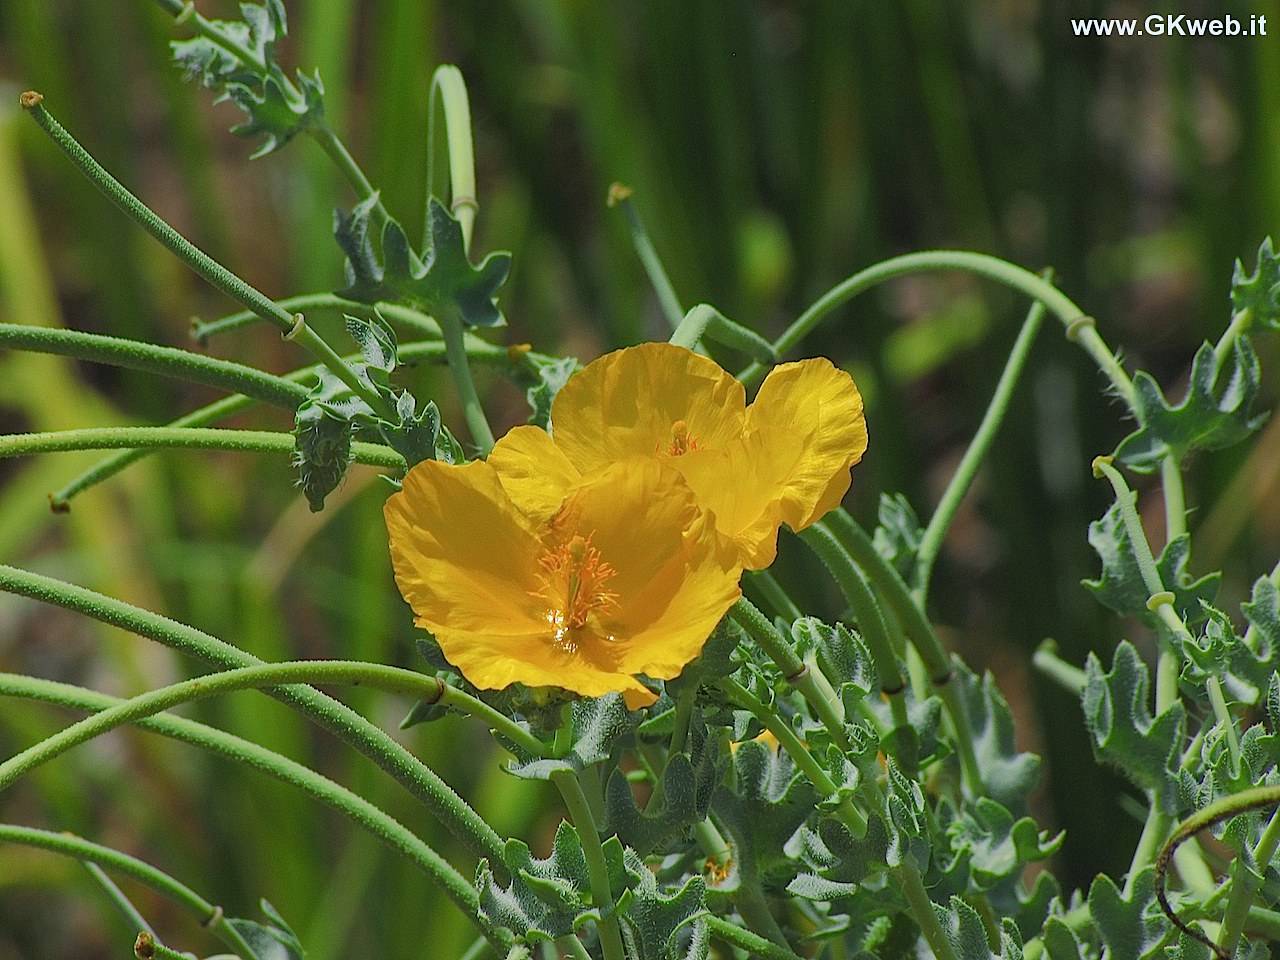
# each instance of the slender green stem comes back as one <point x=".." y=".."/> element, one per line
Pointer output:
<point x="171" y="889"/>
<point x="1067" y="675"/>
<point x="1241" y="321"/>
<point x="799" y="753"/>
<point x="753" y="944"/>
<point x="460" y="368"/>
<point x="668" y="299"/>
<point x="963" y="477"/>
<point x="866" y="610"/>
<point x="203" y="438"/>
<point x="724" y="331"/>
<point x="148" y="947"/>
<point x="1256" y="798"/>
<point x="124" y="906"/>
<point x="1175" y="500"/>
<point x="992" y="268"/>
<point x="1132" y="524"/>
<point x="892" y="589"/>
<point x="292" y="325"/>
<point x="359" y="810"/>
<point x="260" y="676"/>
<point x="798" y="673"/>
<point x="689" y="330"/>
<point x="1223" y="715"/>
<point x="148" y="357"/>
<point x="349" y="726"/>
<point x="431" y="351"/>
<point x="447" y="83"/>
<point x="584" y="821"/>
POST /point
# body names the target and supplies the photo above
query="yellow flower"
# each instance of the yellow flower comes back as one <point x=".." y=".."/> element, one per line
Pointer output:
<point x="784" y="459"/>
<point x="625" y="576"/>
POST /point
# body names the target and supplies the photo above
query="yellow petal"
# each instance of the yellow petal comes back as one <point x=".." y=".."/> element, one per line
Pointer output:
<point x="819" y="404"/>
<point x="639" y="401"/>
<point x="743" y="486"/>
<point x="675" y="578"/>
<point x="534" y="471"/>
<point x="463" y="555"/>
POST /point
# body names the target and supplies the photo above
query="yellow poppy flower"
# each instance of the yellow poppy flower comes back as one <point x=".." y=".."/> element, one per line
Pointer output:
<point x="625" y="577"/>
<point x="784" y="459"/>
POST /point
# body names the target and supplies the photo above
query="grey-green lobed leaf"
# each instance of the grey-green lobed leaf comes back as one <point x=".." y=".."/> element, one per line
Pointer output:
<point x="1216" y="412"/>
<point x="1259" y="292"/>
<point x="1121" y="586"/>
<point x="1125" y="735"/>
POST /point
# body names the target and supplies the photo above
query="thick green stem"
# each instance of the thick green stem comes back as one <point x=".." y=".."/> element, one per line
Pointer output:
<point x="962" y="479"/>
<point x="751" y="904"/>
<point x="1102" y="467"/>
<point x="206" y="913"/>
<point x="584" y="821"/>
<point x="771" y="591"/>
<point x="1175" y="500"/>
<point x="148" y="357"/>
<point x="893" y="590"/>
<point x="866" y="610"/>
<point x="124" y="906"/>
<point x="1067" y="675"/>
<point x="202" y="438"/>
<point x="1241" y="321"/>
<point x="293" y="326"/>
<point x="349" y="726"/>
<point x="689" y="330"/>
<point x="359" y="810"/>
<point x="912" y="886"/>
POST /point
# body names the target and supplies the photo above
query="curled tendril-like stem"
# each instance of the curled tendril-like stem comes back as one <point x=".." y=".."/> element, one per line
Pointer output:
<point x="1259" y="798"/>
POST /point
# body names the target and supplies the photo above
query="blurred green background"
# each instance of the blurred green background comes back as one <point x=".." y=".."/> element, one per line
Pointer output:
<point x="775" y="148"/>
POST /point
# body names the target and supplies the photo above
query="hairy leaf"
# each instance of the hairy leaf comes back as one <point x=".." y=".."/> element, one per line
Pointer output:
<point x="1121" y="586"/>
<point x="597" y="724"/>
<point x="1124" y="733"/>
<point x="1259" y="292"/>
<point x="1216" y="412"/>
<point x="898" y="536"/>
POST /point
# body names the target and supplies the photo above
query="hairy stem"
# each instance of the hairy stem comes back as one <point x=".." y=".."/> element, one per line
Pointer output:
<point x="351" y="805"/>
<point x="203" y="438"/>
<point x="584" y="821"/>
<point x="206" y="913"/>
<point x="370" y="740"/>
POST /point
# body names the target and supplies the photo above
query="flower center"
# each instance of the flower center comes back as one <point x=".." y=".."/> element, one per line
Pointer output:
<point x="573" y="583"/>
<point x="682" y="441"/>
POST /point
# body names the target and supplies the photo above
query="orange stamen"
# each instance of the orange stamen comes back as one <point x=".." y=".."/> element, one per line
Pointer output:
<point x="573" y="583"/>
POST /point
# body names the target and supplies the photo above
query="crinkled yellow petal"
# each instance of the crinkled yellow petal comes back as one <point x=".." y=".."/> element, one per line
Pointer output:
<point x="743" y="486"/>
<point x="629" y="402"/>
<point x="675" y="578"/>
<point x="534" y="471"/>
<point x="463" y="555"/>
<point x="818" y="404"/>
